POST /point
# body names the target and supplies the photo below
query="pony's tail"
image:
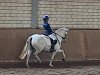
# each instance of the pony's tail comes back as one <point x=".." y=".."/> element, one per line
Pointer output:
<point x="25" y="50"/>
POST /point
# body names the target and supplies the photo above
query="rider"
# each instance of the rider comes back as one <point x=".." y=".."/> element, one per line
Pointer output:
<point x="49" y="32"/>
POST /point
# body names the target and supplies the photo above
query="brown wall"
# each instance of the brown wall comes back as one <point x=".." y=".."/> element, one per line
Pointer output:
<point x="81" y="44"/>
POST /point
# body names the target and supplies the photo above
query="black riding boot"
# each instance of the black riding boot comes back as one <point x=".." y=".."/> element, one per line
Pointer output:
<point x="53" y="44"/>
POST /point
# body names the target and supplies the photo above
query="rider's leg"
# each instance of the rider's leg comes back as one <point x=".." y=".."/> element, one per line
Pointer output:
<point x="53" y="44"/>
<point x="53" y="41"/>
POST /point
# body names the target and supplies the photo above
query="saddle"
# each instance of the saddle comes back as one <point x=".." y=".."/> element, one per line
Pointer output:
<point x="53" y="42"/>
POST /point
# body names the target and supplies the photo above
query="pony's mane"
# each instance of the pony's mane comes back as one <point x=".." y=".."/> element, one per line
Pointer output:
<point x="60" y="29"/>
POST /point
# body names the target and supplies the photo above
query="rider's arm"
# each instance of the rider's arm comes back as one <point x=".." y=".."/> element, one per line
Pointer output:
<point x="48" y="28"/>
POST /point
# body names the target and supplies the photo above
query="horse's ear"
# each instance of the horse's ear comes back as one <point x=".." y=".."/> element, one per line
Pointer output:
<point x="67" y="29"/>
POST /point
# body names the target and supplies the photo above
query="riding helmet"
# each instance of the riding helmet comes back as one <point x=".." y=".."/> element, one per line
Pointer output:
<point x="45" y="17"/>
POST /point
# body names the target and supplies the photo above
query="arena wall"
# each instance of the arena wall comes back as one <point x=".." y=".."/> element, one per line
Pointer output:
<point x="15" y="13"/>
<point x="81" y="45"/>
<point x="63" y="13"/>
<point x="71" y="13"/>
<point x="18" y="17"/>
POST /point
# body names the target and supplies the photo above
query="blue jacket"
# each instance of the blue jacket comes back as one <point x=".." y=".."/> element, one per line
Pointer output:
<point x="47" y="28"/>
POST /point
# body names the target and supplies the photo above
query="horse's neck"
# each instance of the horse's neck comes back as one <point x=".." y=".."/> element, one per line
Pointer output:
<point x="59" y="37"/>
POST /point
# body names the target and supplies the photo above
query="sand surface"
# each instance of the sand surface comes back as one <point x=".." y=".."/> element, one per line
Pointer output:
<point x="76" y="70"/>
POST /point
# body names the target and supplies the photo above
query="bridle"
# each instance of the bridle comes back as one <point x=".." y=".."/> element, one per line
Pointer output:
<point x="60" y="36"/>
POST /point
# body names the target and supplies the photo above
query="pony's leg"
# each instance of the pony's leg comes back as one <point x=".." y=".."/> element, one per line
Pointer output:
<point x="52" y="57"/>
<point x="28" y="56"/>
<point x="38" y="58"/>
<point x="63" y="54"/>
<point x="36" y="55"/>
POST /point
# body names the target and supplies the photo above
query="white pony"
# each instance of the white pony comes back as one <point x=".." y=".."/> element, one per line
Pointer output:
<point x="42" y="42"/>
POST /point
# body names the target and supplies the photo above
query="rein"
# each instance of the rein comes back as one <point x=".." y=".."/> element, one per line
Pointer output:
<point x="60" y="36"/>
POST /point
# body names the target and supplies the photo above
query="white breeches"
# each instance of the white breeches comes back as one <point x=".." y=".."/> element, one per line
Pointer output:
<point x="52" y="36"/>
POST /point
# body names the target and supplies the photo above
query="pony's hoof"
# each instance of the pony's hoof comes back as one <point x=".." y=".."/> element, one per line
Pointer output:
<point x="51" y="65"/>
<point x="63" y="59"/>
<point x="39" y="62"/>
<point x="27" y="66"/>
